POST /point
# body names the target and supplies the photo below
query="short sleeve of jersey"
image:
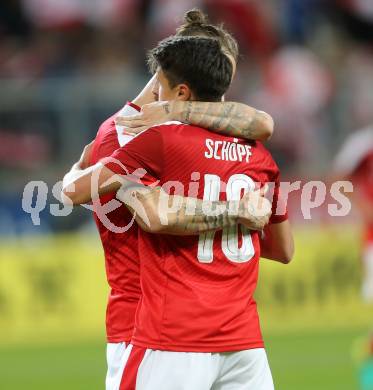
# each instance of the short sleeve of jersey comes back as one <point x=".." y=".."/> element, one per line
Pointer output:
<point x="279" y="210"/>
<point x="141" y="158"/>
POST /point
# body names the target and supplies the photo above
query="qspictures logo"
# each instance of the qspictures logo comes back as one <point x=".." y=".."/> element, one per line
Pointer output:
<point x="312" y="195"/>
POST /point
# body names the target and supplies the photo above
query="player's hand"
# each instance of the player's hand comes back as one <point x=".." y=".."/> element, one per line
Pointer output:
<point x="151" y="114"/>
<point x="84" y="161"/>
<point x="255" y="210"/>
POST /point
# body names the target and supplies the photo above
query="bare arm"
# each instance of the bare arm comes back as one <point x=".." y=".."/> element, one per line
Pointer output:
<point x="230" y="118"/>
<point x="278" y="243"/>
<point x="82" y="185"/>
<point x="155" y="211"/>
<point x="178" y="215"/>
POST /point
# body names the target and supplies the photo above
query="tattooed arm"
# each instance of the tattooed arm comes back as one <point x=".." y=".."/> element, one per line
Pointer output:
<point x="178" y="215"/>
<point x="157" y="212"/>
<point x="230" y="118"/>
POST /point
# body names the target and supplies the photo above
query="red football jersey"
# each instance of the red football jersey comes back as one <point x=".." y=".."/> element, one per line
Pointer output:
<point x="197" y="291"/>
<point x="120" y="249"/>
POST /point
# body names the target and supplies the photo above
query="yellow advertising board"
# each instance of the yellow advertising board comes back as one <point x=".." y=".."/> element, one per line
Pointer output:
<point x="54" y="287"/>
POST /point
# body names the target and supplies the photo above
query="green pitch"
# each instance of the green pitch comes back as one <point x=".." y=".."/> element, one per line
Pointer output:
<point x="301" y="361"/>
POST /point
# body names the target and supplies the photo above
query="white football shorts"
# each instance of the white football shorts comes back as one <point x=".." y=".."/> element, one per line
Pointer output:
<point x="147" y="369"/>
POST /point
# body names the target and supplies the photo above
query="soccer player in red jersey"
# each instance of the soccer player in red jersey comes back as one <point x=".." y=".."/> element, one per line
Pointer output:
<point x="355" y="162"/>
<point x="197" y="325"/>
<point x="119" y="239"/>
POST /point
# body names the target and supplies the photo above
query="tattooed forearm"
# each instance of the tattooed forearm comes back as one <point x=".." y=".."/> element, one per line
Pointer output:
<point x="209" y="215"/>
<point x="175" y="214"/>
<point x="235" y="119"/>
<point x="257" y="120"/>
<point x="166" y="108"/>
<point x="188" y="111"/>
<point x="225" y="118"/>
<point x="203" y="216"/>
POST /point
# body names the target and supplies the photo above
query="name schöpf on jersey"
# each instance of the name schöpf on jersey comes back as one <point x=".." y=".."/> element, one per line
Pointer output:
<point x="227" y="151"/>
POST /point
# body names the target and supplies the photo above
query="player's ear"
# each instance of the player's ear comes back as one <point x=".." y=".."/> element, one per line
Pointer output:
<point x="183" y="92"/>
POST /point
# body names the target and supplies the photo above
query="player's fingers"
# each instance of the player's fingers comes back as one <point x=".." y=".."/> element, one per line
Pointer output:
<point x="262" y="208"/>
<point x="134" y="125"/>
<point x="264" y="190"/>
<point x="266" y="206"/>
<point x="129" y="117"/>
<point x="256" y="191"/>
<point x="121" y="121"/>
<point x="258" y="194"/>
<point x="141" y="129"/>
<point x="262" y="201"/>
<point x="127" y="121"/>
<point x="250" y="196"/>
<point x="130" y="122"/>
<point x="135" y="131"/>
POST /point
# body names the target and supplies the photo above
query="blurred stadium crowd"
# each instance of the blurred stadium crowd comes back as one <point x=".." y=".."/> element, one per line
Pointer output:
<point x="65" y="66"/>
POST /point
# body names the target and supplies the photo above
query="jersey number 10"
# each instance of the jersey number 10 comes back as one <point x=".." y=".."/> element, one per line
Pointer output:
<point x="245" y="253"/>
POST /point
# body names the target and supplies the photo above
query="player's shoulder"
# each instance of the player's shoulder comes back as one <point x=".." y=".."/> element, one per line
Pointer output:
<point x="107" y="125"/>
<point x="167" y="126"/>
<point x="175" y="129"/>
<point x="263" y="156"/>
<point x="167" y="130"/>
<point x="106" y="140"/>
<point x="261" y="149"/>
